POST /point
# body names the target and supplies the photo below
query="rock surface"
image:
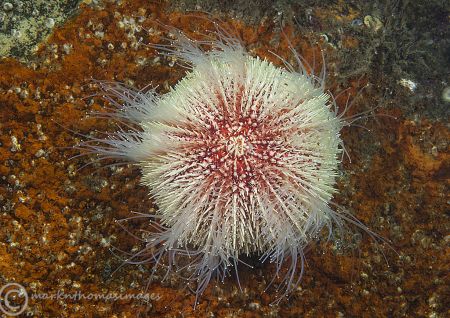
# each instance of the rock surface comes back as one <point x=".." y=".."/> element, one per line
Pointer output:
<point x="58" y="229"/>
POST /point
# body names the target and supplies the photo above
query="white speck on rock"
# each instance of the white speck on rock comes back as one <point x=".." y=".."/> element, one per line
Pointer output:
<point x="15" y="144"/>
<point x="408" y="84"/>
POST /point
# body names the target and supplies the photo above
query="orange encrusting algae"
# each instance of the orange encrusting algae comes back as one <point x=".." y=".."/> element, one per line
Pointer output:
<point x="57" y="223"/>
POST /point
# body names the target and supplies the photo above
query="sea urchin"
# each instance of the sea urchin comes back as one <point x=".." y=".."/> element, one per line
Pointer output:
<point x="240" y="158"/>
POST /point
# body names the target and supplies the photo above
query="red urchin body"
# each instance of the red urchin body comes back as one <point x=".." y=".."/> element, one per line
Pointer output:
<point x="240" y="157"/>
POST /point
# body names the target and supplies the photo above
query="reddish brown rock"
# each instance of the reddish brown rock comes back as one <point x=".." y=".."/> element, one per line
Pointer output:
<point x="58" y="215"/>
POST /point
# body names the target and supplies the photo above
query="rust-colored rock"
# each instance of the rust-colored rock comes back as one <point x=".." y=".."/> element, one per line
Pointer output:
<point x="58" y="214"/>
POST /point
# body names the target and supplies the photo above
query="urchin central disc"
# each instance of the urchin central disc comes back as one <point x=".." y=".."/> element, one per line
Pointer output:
<point x="237" y="145"/>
